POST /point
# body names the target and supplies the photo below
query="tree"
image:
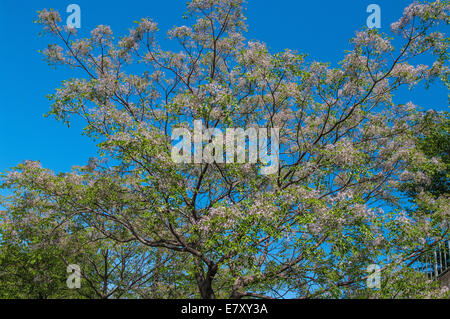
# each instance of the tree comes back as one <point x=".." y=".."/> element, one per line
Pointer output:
<point x="38" y="245"/>
<point x="332" y="207"/>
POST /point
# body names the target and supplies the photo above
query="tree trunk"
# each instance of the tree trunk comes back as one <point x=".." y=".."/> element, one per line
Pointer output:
<point x="206" y="290"/>
<point x="205" y="280"/>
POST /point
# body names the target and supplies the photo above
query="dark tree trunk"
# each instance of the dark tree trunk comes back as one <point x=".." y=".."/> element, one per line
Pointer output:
<point x="206" y="290"/>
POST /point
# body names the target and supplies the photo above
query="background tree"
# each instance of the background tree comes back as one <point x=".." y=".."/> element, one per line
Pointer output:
<point x="434" y="143"/>
<point x="310" y="230"/>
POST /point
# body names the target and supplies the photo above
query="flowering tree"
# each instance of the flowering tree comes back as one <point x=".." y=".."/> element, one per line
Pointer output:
<point x="331" y="209"/>
<point x="40" y="248"/>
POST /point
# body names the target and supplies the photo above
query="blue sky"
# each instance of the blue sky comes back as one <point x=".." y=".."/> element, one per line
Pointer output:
<point x="319" y="28"/>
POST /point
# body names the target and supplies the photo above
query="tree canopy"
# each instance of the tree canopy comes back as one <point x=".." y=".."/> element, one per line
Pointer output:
<point x="142" y="226"/>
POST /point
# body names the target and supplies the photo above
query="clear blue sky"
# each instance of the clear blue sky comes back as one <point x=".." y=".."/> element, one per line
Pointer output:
<point x="319" y="28"/>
